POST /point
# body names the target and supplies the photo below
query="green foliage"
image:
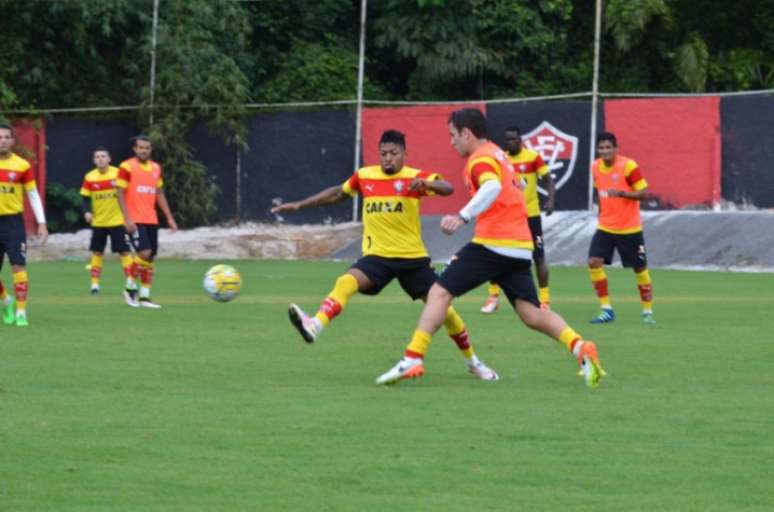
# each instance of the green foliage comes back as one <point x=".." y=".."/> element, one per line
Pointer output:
<point x="63" y="209"/>
<point x="691" y="59"/>
<point x="416" y="49"/>
<point x="316" y="73"/>
<point x="74" y="53"/>
<point x="198" y="77"/>
<point x="627" y="21"/>
<point x="479" y="48"/>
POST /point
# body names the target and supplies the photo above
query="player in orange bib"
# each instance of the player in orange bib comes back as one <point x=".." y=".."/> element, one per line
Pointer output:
<point x="530" y="167"/>
<point x="103" y="213"/>
<point x="392" y="243"/>
<point x="16" y="179"/>
<point x="501" y="251"/>
<point x="620" y="188"/>
<point x="140" y="189"/>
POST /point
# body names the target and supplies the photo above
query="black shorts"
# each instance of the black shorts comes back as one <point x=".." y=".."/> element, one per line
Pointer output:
<point x="536" y="228"/>
<point x="415" y="275"/>
<point x="631" y="248"/>
<point x="146" y="237"/>
<point x="118" y="239"/>
<point x="474" y="264"/>
<point x="13" y="239"/>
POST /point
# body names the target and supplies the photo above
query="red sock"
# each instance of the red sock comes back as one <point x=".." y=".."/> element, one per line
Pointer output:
<point x="461" y="340"/>
<point x="146" y="276"/>
<point x="413" y="355"/>
<point x="330" y="308"/>
<point x="646" y="292"/>
<point x="601" y="288"/>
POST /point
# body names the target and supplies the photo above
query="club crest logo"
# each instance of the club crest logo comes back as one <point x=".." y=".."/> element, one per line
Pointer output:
<point x="558" y="150"/>
<point x="11" y="176"/>
<point x="398" y="185"/>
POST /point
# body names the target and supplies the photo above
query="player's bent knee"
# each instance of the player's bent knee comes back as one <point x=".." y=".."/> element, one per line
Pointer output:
<point x="438" y="293"/>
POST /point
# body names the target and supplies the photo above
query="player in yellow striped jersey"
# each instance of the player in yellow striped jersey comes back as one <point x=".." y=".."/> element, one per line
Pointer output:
<point x="15" y="179"/>
<point x="530" y="167"/>
<point x="103" y="213"/>
<point x="392" y="242"/>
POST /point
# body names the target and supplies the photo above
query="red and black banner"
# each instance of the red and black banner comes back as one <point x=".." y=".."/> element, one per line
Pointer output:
<point x="692" y="151"/>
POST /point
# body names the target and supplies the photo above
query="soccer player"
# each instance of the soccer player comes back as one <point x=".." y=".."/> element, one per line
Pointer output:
<point x="103" y="213"/>
<point x="620" y="188"/>
<point x="15" y="176"/>
<point x="392" y="243"/>
<point x="530" y="167"/>
<point x="140" y="189"/>
<point x="501" y="251"/>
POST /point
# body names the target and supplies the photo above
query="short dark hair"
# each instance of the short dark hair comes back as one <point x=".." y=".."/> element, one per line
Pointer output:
<point x="6" y="126"/>
<point x="140" y="137"/>
<point x="472" y="119"/>
<point x="101" y="148"/>
<point x="513" y="128"/>
<point x="607" y="136"/>
<point x="393" y="137"/>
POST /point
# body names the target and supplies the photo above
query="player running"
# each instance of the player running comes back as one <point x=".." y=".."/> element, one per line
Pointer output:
<point x="15" y="176"/>
<point x="140" y="189"/>
<point x="103" y="213"/>
<point x="620" y="188"/>
<point x="501" y="251"/>
<point x="530" y="167"/>
<point x="392" y="243"/>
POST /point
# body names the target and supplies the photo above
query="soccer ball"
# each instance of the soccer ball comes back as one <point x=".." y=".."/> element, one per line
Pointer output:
<point x="222" y="283"/>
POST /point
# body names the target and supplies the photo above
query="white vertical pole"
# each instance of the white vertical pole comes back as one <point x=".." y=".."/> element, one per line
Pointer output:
<point x="594" y="99"/>
<point x="154" y="41"/>
<point x="359" y="115"/>
<point x="238" y="213"/>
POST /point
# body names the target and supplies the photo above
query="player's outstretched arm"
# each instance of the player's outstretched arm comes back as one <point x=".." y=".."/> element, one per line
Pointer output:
<point x="330" y="195"/>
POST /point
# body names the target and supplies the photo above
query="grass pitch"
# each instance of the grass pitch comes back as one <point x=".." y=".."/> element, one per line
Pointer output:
<point x="206" y="406"/>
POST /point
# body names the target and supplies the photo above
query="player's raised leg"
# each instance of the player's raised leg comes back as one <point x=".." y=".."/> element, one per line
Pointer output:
<point x="553" y="325"/>
<point x="492" y="300"/>
<point x="311" y="327"/>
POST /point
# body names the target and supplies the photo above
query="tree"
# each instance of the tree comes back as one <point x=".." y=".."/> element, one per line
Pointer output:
<point x="477" y="48"/>
<point x="197" y="78"/>
<point x="72" y="54"/>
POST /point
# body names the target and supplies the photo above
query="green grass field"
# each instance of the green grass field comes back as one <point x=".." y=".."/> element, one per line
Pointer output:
<point x="205" y="406"/>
